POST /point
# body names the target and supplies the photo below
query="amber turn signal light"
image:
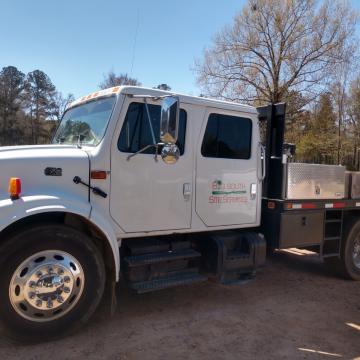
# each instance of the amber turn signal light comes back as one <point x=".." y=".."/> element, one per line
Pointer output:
<point x="14" y="188"/>
<point x="98" y="175"/>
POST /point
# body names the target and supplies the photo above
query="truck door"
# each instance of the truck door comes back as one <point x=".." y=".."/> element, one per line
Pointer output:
<point x="148" y="195"/>
<point x="227" y="180"/>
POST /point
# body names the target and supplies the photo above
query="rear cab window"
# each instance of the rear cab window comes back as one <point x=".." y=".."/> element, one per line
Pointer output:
<point x="227" y="137"/>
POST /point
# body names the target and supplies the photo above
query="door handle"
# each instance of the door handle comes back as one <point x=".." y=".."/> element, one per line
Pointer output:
<point x="263" y="162"/>
<point x="187" y="191"/>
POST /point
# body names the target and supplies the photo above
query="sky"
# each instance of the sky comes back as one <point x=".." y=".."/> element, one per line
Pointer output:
<point x="77" y="42"/>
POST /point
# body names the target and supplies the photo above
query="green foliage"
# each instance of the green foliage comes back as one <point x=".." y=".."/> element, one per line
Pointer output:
<point x="30" y="107"/>
<point x="11" y="87"/>
<point x="39" y="95"/>
<point x="318" y="143"/>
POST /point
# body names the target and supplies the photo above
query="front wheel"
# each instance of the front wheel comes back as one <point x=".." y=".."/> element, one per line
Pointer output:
<point x="52" y="280"/>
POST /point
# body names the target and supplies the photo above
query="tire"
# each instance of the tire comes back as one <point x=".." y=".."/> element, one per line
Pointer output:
<point x="348" y="265"/>
<point x="52" y="281"/>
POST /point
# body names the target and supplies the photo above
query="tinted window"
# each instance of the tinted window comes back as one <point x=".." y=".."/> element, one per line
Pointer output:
<point x="136" y="133"/>
<point x="227" y="137"/>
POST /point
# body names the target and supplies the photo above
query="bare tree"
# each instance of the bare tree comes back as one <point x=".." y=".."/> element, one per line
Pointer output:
<point x="60" y="104"/>
<point x="275" y="47"/>
<point x="339" y="92"/>
<point x="353" y="106"/>
<point x="111" y="80"/>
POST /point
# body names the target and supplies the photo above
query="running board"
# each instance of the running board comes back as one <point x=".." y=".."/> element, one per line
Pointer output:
<point x="153" y="258"/>
<point x="167" y="282"/>
<point x="160" y="263"/>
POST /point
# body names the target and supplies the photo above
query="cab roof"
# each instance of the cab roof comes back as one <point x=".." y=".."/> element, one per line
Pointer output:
<point x="137" y="90"/>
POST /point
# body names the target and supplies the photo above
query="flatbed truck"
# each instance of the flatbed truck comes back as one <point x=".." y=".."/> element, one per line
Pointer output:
<point x="160" y="189"/>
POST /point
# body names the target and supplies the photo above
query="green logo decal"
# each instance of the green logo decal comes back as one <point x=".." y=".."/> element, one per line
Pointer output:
<point x="227" y="192"/>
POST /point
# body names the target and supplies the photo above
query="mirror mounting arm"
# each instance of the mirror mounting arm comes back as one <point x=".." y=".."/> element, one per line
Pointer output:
<point x="156" y="146"/>
<point x="139" y="152"/>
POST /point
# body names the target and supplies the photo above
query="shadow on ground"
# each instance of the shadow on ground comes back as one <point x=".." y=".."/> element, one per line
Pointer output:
<point x="294" y="309"/>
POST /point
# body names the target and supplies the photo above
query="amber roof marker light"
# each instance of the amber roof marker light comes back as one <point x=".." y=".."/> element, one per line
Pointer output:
<point x="14" y="188"/>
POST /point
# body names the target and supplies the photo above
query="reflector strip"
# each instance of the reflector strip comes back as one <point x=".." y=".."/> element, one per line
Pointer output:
<point x="308" y="206"/>
<point x="339" y="205"/>
<point x="318" y="205"/>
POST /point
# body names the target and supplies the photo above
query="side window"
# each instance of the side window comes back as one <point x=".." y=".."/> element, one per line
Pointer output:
<point x="136" y="133"/>
<point x="227" y="137"/>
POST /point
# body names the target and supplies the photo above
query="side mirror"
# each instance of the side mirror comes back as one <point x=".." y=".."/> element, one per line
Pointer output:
<point x="169" y="120"/>
<point x="170" y="153"/>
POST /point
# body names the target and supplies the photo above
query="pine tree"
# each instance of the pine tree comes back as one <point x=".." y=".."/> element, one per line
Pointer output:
<point x="40" y="98"/>
<point x="11" y="88"/>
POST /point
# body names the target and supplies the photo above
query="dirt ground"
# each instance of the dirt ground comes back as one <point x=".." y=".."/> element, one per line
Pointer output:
<point x="293" y="310"/>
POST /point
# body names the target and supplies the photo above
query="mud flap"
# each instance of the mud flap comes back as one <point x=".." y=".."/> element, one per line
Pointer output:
<point x="113" y="305"/>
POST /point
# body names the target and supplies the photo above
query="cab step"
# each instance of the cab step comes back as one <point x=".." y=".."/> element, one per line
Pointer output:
<point x="184" y="278"/>
<point x="160" y="263"/>
<point x="153" y="258"/>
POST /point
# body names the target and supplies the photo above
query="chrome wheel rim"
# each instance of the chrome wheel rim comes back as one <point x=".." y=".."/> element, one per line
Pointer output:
<point x="356" y="252"/>
<point x="46" y="285"/>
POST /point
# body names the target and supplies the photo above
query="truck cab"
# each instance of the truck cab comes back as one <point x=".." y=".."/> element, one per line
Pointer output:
<point x="214" y="184"/>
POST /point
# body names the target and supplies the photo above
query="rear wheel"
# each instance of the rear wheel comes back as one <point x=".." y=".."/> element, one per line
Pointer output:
<point x="52" y="280"/>
<point x="349" y="263"/>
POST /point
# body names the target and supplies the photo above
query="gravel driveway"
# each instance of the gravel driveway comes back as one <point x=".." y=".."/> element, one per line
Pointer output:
<point x="293" y="310"/>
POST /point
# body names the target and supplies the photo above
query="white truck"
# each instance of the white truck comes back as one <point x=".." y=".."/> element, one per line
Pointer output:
<point x="163" y="190"/>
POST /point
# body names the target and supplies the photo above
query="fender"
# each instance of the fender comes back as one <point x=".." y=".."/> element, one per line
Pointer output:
<point x="100" y="221"/>
<point x="13" y="211"/>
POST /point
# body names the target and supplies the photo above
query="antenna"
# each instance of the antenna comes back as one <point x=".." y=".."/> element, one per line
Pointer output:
<point x="135" y="41"/>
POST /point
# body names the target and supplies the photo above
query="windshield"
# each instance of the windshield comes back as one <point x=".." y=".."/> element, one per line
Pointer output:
<point x="85" y="124"/>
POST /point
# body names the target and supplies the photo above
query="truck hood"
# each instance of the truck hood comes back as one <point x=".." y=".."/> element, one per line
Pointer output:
<point x="44" y="170"/>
